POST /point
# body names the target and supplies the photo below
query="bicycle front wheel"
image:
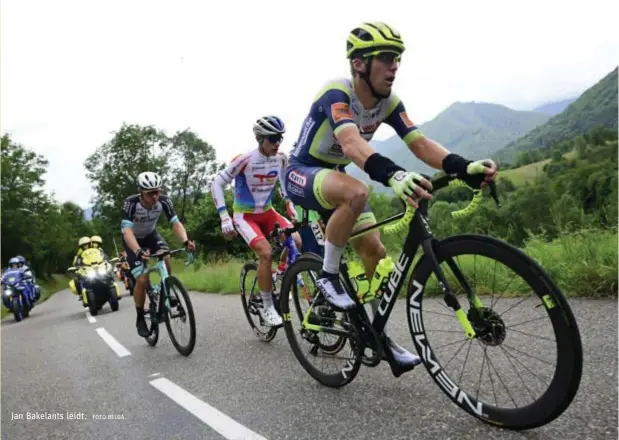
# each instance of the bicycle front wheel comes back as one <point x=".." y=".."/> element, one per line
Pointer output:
<point x="180" y="311"/>
<point x="508" y="299"/>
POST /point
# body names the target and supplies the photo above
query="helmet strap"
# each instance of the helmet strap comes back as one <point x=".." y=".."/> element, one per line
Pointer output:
<point x="366" y="77"/>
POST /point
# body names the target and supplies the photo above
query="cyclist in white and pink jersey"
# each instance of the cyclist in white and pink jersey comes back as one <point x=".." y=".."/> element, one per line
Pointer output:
<point x="255" y="175"/>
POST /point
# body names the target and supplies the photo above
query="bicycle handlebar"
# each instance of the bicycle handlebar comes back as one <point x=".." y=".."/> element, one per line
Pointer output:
<point x="162" y="253"/>
<point x="437" y="184"/>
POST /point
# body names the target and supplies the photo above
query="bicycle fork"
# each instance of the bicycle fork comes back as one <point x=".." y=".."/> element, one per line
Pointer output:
<point x="448" y="295"/>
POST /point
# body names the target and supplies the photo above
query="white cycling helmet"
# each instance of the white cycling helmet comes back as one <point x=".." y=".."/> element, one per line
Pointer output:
<point x="268" y="125"/>
<point x="148" y="181"/>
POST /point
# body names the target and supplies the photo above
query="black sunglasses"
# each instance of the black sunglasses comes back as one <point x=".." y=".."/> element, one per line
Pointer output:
<point x="388" y="58"/>
<point x="275" y="138"/>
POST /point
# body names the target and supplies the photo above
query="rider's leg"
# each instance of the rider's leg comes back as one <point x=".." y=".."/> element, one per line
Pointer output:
<point x="348" y="197"/>
<point x="341" y="197"/>
<point x="265" y="283"/>
<point x="78" y="288"/>
<point x="250" y="227"/>
<point x="139" y="289"/>
<point x="297" y="240"/>
<point x="371" y="250"/>
<point x="139" y="297"/>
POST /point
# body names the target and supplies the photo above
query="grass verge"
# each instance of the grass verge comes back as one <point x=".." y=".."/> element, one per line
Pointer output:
<point x="581" y="264"/>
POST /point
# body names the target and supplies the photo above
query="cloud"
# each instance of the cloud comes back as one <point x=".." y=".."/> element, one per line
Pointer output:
<point x="73" y="71"/>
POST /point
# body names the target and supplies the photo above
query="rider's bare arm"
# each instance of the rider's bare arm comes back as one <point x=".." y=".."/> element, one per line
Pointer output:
<point x="180" y="231"/>
<point x="429" y="151"/>
<point x="131" y="240"/>
<point x="353" y="145"/>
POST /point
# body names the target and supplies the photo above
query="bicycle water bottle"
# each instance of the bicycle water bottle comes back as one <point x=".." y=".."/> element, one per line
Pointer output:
<point x="381" y="277"/>
<point x="356" y="273"/>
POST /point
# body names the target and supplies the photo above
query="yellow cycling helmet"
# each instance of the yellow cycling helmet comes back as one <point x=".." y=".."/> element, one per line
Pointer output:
<point x="96" y="239"/>
<point x="84" y="241"/>
<point x="371" y="38"/>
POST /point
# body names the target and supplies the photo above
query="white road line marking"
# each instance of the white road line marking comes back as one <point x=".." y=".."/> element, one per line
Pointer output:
<point x="217" y="420"/>
<point x="113" y="343"/>
<point x="91" y="318"/>
<point x="154" y="375"/>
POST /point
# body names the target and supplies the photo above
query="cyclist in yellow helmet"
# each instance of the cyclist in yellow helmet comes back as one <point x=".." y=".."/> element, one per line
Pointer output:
<point x="342" y="120"/>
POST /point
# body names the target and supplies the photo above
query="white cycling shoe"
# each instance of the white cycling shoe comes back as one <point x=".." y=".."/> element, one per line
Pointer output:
<point x="270" y="316"/>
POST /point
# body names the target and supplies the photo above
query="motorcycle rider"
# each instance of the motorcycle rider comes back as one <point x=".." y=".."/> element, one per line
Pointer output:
<point x="96" y="242"/>
<point x="24" y="265"/>
<point x="83" y="244"/>
<point x="15" y="264"/>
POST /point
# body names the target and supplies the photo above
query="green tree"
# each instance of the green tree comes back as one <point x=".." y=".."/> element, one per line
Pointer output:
<point x="114" y="167"/>
<point x="580" y="145"/>
<point x="192" y="165"/>
<point x="22" y="197"/>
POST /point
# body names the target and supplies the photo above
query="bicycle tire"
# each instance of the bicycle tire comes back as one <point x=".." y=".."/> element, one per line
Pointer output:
<point x="343" y="377"/>
<point x="172" y="281"/>
<point x="153" y="337"/>
<point x="568" y="372"/>
<point x="272" y="331"/>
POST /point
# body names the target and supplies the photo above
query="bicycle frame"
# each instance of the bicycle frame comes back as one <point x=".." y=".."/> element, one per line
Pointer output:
<point x="160" y="267"/>
<point x="419" y="234"/>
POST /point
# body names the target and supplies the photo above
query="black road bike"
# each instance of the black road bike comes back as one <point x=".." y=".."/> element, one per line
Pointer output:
<point x="481" y="328"/>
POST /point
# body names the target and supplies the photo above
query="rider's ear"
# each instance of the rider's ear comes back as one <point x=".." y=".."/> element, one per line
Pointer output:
<point x="358" y="65"/>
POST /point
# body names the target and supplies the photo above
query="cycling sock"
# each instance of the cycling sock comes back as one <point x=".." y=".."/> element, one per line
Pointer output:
<point x="267" y="299"/>
<point x="140" y="312"/>
<point x="333" y="254"/>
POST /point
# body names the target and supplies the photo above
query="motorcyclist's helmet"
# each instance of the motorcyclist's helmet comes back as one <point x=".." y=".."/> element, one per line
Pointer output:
<point x="84" y="243"/>
<point x="96" y="241"/>
<point x="22" y="261"/>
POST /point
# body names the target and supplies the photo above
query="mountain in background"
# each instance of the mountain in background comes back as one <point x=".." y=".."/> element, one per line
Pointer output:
<point x="472" y="129"/>
<point x="553" y="108"/>
<point x="597" y="106"/>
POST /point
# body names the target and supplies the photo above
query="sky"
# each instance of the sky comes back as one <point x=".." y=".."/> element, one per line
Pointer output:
<point x="71" y="72"/>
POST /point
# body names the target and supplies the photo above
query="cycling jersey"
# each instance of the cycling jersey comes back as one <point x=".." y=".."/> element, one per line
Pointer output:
<point x="143" y="220"/>
<point x="337" y="107"/>
<point x="255" y="176"/>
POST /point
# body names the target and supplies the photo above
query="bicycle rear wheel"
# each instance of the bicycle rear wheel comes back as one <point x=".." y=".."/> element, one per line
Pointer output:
<point x="252" y="301"/>
<point x="495" y="335"/>
<point x="178" y="311"/>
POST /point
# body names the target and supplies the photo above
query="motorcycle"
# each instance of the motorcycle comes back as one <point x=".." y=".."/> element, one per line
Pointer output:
<point x="17" y="293"/>
<point x="97" y="277"/>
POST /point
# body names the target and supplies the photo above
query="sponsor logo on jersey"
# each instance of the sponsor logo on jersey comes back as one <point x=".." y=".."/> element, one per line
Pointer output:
<point x="370" y="128"/>
<point x="407" y="122"/>
<point x="340" y="111"/>
<point x="297" y="178"/>
<point x="266" y="178"/>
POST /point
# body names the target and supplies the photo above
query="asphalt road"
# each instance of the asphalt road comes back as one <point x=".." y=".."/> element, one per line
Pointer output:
<point x="59" y="361"/>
